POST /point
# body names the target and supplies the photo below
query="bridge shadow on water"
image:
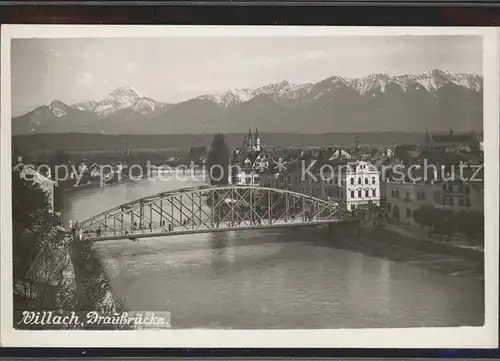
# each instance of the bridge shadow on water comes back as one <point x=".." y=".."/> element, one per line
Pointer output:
<point x="227" y="247"/>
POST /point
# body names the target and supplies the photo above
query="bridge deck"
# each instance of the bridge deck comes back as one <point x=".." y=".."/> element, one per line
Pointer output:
<point x="205" y="209"/>
<point x="147" y="233"/>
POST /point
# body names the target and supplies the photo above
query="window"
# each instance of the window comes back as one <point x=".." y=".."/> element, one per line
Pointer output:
<point x="352" y="180"/>
<point x="374" y="192"/>
<point x="467" y="202"/>
<point x="353" y="207"/>
<point x="373" y="180"/>
<point x="359" y="193"/>
<point x="366" y="180"/>
<point x="393" y="194"/>
<point x="367" y="193"/>
<point x="396" y="195"/>
<point x="408" y="212"/>
<point x="388" y="207"/>
<point x="352" y="194"/>
<point x="359" y="180"/>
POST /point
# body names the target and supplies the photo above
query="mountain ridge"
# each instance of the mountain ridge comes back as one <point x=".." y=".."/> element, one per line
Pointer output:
<point x="332" y="104"/>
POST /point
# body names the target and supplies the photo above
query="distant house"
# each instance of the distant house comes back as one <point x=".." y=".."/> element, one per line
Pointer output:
<point x="452" y="141"/>
<point x="339" y="153"/>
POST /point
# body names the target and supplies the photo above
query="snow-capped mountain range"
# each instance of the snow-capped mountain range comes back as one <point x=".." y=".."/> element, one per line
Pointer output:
<point x="431" y="81"/>
<point x="123" y="97"/>
<point x="277" y="91"/>
<point x="434" y="99"/>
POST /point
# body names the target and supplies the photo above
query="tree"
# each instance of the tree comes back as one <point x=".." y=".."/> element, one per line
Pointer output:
<point x="43" y="264"/>
<point x="424" y="216"/>
<point x="471" y="224"/>
<point x="195" y="153"/>
<point x="218" y="160"/>
<point x="444" y="222"/>
<point x="40" y="259"/>
<point x="31" y="219"/>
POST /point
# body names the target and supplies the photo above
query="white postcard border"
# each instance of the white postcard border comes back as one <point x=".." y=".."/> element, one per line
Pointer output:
<point x="450" y="337"/>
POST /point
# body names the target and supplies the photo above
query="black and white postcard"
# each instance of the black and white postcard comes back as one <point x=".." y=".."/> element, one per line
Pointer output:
<point x="177" y="186"/>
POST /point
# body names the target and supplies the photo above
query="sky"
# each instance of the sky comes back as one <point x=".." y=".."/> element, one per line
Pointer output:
<point x="177" y="69"/>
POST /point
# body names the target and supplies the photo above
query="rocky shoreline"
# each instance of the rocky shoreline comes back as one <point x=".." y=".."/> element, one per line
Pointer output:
<point x="93" y="286"/>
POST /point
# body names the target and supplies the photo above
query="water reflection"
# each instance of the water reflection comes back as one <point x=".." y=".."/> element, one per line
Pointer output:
<point x="218" y="244"/>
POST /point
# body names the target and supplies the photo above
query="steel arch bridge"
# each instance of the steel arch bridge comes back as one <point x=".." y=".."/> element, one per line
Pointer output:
<point x="206" y="209"/>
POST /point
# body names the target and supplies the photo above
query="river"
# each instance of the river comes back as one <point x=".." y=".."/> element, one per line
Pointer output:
<point x="270" y="278"/>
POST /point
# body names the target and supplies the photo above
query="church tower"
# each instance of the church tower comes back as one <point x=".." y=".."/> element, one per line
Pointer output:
<point x="249" y="141"/>
<point x="257" y="140"/>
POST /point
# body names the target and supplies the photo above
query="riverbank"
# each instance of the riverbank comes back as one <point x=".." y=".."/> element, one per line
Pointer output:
<point x="439" y="257"/>
<point x="93" y="286"/>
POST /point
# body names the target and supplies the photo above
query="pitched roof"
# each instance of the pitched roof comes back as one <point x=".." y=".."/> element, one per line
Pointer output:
<point x="452" y="137"/>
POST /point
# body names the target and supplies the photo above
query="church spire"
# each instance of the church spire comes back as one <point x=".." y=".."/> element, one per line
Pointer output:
<point x="257" y="140"/>
<point x="248" y="140"/>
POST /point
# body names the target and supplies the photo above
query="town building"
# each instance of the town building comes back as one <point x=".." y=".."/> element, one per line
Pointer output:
<point x="354" y="184"/>
<point x="449" y="142"/>
<point x="286" y="176"/>
<point x="459" y="195"/>
<point x="462" y="190"/>
<point x="249" y="161"/>
<point x="340" y="153"/>
<point x="348" y="184"/>
<point x="403" y="198"/>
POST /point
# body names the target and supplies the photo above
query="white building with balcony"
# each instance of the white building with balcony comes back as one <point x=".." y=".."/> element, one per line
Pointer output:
<point x="350" y="185"/>
<point x="354" y="184"/>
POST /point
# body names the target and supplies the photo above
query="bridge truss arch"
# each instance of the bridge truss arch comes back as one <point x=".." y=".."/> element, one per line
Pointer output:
<point x="205" y="209"/>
